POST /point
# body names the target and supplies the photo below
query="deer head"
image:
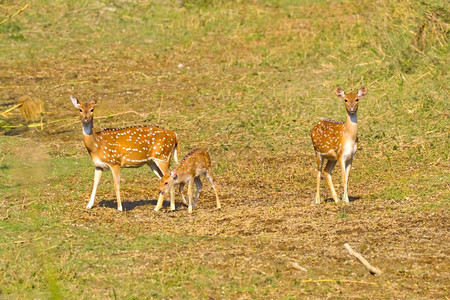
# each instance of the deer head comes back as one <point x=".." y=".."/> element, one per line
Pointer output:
<point x="167" y="182"/>
<point x="86" y="109"/>
<point x="351" y="99"/>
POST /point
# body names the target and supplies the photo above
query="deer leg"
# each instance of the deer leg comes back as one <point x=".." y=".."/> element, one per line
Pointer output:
<point x="345" y="169"/>
<point x="190" y="196"/>
<point x="164" y="167"/>
<point x="160" y="169"/>
<point x="116" y="175"/>
<point x="320" y="161"/>
<point x="180" y="188"/>
<point x="172" y="198"/>
<point x="97" y="176"/>
<point x="211" y="180"/>
<point x="198" y="184"/>
<point x="328" y="168"/>
<point x="160" y="202"/>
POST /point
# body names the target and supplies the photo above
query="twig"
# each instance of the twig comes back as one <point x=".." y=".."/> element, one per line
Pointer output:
<point x="71" y="82"/>
<point x="10" y="109"/>
<point x="122" y="113"/>
<point x="159" y="110"/>
<point x="372" y="269"/>
<point x="12" y="126"/>
<point x="49" y="248"/>
<point x="369" y="63"/>
<point x="297" y="267"/>
<point x="427" y="73"/>
<point x="337" y="281"/>
<point x="49" y="122"/>
<point x="105" y="117"/>
<point x="17" y="12"/>
<point x="34" y="124"/>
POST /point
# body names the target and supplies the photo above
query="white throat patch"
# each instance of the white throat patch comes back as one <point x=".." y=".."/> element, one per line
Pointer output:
<point x="87" y="129"/>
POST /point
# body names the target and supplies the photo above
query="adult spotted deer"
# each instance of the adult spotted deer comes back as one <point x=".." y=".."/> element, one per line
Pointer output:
<point x="194" y="164"/>
<point x="337" y="142"/>
<point x="130" y="147"/>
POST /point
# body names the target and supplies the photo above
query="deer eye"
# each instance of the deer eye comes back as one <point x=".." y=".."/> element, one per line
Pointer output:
<point x="92" y="110"/>
<point x="166" y="183"/>
<point x="346" y="100"/>
<point x="357" y="100"/>
<point x="81" y="110"/>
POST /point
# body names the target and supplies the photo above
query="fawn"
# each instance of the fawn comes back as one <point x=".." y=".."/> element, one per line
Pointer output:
<point x="194" y="164"/>
<point x="130" y="147"/>
<point x="337" y="142"/>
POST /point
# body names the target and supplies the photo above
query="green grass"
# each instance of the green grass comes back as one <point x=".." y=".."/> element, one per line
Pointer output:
<point x="255" y="77"/>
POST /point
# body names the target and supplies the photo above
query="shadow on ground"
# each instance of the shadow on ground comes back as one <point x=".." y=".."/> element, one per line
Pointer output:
<point x="350" y="198"/>
<point x="127" y="205"/>
<point x="130" y="205"/>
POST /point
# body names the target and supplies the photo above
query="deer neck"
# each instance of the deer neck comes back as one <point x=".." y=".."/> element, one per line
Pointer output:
<point x="351" y="126"/>
<point x="89" y="136"/>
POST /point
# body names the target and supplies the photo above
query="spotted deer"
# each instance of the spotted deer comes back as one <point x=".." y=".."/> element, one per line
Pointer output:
<point x="130" y="147"/>
<point x="195" y="163"/>
<point x="337" y="142"/>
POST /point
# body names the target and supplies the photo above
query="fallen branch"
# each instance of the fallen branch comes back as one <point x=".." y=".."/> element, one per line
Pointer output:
<point x="159" y="110"/>
<point x="46" y="123"/>
<point x="369" y="267"/>
<point x="338" y="281"/>
<point x="142" y="115"/>
<point x="15" y="14"/>
<point x="5" y="113"/>
<point x="41" y="124"/>
<point x="298" y="267"/>
<point x="123" y="113"/>
<point x="49" y="248"/>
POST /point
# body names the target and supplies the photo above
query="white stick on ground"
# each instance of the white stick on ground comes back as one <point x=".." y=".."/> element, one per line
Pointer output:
<point x="297" y="267"/>
<point x="372" y="269"/>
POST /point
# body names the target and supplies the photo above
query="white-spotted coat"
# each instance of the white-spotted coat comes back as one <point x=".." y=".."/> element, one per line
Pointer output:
<point x="195" y="163"/>
<point x="129" y="147"/>
<point x="337" y="142"/>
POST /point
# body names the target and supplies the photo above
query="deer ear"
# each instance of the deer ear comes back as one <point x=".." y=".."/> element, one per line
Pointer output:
<point x="362" y="92"/>
<point x="75" y="101"/>
<point x="340" y="92"/>
<point x="93" y="101"/>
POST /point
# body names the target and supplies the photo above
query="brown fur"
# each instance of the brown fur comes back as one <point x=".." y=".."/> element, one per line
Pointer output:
<point x="337" y="142"/>
<point x="130" y="147"/>
<point x="195" y="163"/>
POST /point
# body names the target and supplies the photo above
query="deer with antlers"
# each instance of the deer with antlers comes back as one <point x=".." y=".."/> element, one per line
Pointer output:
<point x="337" y="142"/>
<point x="130" y="147"/>
<point x="195" y="163"/>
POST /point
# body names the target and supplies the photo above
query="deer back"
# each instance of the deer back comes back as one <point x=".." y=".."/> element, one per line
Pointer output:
<point x="135" y="146"/>
<point x="194" y="163"/>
